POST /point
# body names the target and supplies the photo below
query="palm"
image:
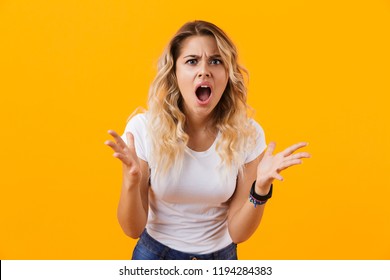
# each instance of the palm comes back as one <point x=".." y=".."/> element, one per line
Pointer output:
<point x="126" y="154"/>
<point x="271" y="165"/>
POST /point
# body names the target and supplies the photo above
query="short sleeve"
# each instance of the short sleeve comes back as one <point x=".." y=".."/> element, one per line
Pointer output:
<point x="260" y="142"/>
<point x="137" y="126"/>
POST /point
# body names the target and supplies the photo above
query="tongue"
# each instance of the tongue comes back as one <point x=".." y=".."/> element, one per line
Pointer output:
<point x="203" y="93"/>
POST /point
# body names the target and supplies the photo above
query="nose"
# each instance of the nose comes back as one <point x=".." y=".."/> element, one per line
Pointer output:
<point x="204" y="70"/>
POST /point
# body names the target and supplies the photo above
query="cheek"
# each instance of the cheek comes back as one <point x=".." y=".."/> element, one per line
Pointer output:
<point x="223" y="80"/>
<point x="179" y="79"/>
<point x="183" y="76"/>
<point x="184" y="85"/>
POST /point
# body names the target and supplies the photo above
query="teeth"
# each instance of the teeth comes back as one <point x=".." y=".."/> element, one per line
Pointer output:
<point x="204" y="86"/>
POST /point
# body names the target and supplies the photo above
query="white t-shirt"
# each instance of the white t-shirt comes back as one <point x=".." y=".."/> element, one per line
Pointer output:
<point x="191" y="214"/>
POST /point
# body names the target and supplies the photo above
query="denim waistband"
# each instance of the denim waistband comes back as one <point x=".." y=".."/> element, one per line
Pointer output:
<point x="149" y="248"/>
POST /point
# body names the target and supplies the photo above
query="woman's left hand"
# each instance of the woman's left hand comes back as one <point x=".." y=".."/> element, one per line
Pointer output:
<point x="271" y="165"/>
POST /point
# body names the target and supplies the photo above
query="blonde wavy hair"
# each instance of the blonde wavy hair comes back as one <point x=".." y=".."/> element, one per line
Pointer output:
<point x="166" y="120"/>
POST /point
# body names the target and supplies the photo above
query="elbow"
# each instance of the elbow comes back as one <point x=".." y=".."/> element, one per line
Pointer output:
<point x="239" y="236"/>
<point x="131" y="233"/>
<point x="239" y="239"/>
<point x="130" y="230"/>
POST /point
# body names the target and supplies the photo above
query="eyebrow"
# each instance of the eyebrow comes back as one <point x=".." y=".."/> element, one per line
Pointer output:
<point x="197" y="56"/>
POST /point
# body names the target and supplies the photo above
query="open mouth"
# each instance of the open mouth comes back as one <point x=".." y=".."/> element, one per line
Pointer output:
<point x="203" y="93"/>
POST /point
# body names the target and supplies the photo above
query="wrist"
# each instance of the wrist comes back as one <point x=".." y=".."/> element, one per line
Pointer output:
<point x="259" y="199"/>
<point x="131" y="182"/>
<point x="262" y="187"/>
<point x="131" y="176"/>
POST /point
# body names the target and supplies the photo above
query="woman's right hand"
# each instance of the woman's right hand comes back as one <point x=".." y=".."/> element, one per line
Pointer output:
<point x="127" y="155"/>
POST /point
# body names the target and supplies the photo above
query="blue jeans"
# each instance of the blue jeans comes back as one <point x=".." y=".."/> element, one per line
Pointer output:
<point x="148" y="248"/>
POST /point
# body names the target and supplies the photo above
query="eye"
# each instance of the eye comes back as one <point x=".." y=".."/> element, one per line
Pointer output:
<point x="191" y="61"/>
<point x="215" y="61"/>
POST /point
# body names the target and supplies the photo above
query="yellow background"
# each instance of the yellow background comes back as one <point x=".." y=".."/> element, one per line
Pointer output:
<point x="72" y="69"/>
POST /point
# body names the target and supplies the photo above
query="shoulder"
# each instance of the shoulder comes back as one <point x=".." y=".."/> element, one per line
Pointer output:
<point x="138" y="119"/>
<point x="136" y="122"/>
<point x="259" y="144"/>
<point x="259" y="129"/>
<point x="137" y="125"/>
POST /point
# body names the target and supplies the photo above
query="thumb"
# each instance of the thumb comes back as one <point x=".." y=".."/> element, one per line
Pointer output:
<point x="130" y="140"/>
<point x="270" y="149"/>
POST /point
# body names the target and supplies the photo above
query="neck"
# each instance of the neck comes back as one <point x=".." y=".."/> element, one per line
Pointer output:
<point x="198" y="125"/>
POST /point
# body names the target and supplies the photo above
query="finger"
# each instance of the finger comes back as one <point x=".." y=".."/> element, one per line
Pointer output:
<point x="134" y="170"/>
<point x="117" y="138"/>
<point x="300" y="155"/>
<point x="131" y="145"/>
<point x="270" y="149"/>
<point x="277" y="176"/>
<point x="130" y="141"/>
<point x="288" y="163"/>
<point x="288" y="151"/>
<point x="113" y="146"/>
<point x="124" y="159"/>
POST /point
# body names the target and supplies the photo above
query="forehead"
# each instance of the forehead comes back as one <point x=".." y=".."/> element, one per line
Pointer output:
<point x="198" y="45"/>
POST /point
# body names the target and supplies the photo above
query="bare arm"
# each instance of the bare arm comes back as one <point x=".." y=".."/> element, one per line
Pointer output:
<point x="243" y="217"/>
<point x="133" y="203"/>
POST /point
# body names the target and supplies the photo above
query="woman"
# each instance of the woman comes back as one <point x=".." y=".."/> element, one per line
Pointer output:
<point x="196" y="175"/>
